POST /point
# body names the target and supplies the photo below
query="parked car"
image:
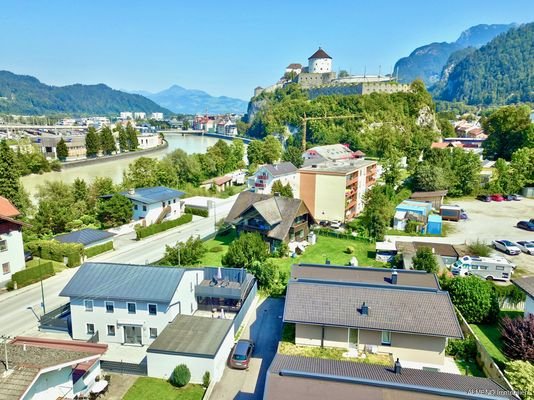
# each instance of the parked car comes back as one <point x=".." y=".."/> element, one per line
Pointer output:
<point x="241" y="353"/>
<point x="517" y="197"/>
<point x="526" y="225"/>
<point x="335" y="224"/>
<point x="497" y="197"/>
<point x="323" y="223"/>
<point x="484" y="197"/>
<point x="509" y="197"/>
<point x="28" y="256"/>
<point x="526" y="246"/>
<point x="507" y="247"/>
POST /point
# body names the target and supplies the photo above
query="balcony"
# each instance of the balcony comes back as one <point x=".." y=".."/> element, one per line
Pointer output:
<point x="259" y="185"/>
<point x="262" y="177"/>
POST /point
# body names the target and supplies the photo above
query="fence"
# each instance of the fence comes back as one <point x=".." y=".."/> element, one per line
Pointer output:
<point x="238" y="320"/>
<point x="57" y="319"/>
<point x="490" y="368"/>
<point x="341" y="235"/>
<point x="124" y="368"/>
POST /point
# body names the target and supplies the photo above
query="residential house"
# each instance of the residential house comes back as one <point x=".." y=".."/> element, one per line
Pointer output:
<point x="139" y="115"/>
<point x="204" y="123"/>
<point x="11" y="245"/>
<point x="376" y="310"/>
<point x="157" y="116"/>
<point x="294" y="68"/>
<point x="277" y="219"/>
<point x="263" y="179"/>
<point x="128" y="304"/>
<point x="87" y="237"/>
<point x="307" y="378"/>
<point x="153" y="205"/>
<point x="43" y="369"/>
<point x="446" y="254"/>
<point x="126" y="115"/>
<point x="526" y="284"/>
<point x="335" y="190"/>
<point x="435" y="198"/>
<point x="219" y="184"/>
<point x="149" y="141"/>
<point x="331" y="152"/>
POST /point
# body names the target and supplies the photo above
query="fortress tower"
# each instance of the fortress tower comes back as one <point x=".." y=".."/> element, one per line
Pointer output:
<point x="320" y="62"/>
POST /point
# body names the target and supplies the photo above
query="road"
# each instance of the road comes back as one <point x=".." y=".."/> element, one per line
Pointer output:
<point x="17" y="319"/>
<point x="265" y="330"/>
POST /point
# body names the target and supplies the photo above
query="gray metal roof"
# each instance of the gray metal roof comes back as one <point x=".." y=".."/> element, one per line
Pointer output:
<point x="391" y="308"/>
<point x="85" y="236"/>
<point x="293" y="377"/>
<point x="124" y="282"/>
<point x="153" y="194"/>
<point x="526" y="284"/>
<point x="193" y="336"/>
<point x="283" y="168"/>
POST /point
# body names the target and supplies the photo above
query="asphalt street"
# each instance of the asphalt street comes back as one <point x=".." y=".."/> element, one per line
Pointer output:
<point x="17" y="319"/>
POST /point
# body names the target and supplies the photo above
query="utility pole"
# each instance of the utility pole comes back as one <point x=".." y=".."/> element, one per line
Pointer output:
<point x="42" y="287"/>
<point x="5" y="351"/>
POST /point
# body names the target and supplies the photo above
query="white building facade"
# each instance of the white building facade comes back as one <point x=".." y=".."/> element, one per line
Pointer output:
<point x="320" y="62"/>
<point x="263" y="179"/>
<point x="11" y="245"/>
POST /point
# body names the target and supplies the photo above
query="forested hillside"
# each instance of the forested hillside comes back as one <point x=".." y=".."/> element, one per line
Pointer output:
<point x="501" y="72"/>
<point x="26" y="95"/>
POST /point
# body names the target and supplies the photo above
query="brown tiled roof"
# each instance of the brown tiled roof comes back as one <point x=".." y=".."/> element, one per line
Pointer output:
<point x="295" y="378"/>
<point x="393" y="308"/>
<point x="442" y="249"/>
<point x="294" y="66"/>
<point x="363" y="275"/>
<point x="526" y="284"/>
<point x="319" y="54"/>
<point x="7" y="209"/>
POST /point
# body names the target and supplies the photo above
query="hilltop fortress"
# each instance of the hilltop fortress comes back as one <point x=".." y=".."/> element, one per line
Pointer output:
<point x="319" y="79"/>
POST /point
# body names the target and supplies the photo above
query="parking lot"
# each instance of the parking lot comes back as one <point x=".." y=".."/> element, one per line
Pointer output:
<point x="495" y="220"/>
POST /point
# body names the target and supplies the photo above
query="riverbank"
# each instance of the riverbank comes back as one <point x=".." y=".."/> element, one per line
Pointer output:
<point x="208" y="134"/>
<point x="113" y="157"/>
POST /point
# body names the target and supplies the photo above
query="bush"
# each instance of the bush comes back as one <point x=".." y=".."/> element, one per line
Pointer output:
<point x="518" y="337"/>
<point x="520" y="374"/>
<point x="157" y="228"/>
<point x="465" y="349"/>
<point x="197" y="211"/>
<point x="206" y="378"/>
<point x="245" y="250"/>
<point x="479" y="248"/>
<point x="425" y="260"/>
<point x="180" y="376"/>
<point x="474" y="298"/>
<point x="31" y="275"/>
<point x="349" y="250"/>
<point x="101" y="248"/>
<point x="509" y="295"/>
<point x="57" y="251"/>
<point x="216" y="249"/>
<point x="282" y="250"/>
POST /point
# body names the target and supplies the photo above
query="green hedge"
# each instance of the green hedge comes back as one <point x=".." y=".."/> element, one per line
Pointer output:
<point x="57" y="251"/>
<point x="157" y="228"/>
<point x="101" y="248"/>
<point x="31" y="275"/>
<point x="197" y="211"/>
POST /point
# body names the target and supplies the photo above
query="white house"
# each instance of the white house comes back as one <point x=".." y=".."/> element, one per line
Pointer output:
<point x="139" y="115"/>
<point x="155" y="204"/>
<point x="157" y="116"/>
<point x="126" y="115"/>
<point x="149" y="141"/>
<point x="319" y="62"/>
<point x="44" y="369"/>
<point x="11" y="246"/>
<point x="263" y="179"/>
<point x="527" y="285"/>
<point x="129" y="304"/>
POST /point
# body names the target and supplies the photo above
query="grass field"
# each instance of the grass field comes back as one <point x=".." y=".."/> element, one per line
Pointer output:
<point x="159" y="389"/>
<point x="326" y="247"/>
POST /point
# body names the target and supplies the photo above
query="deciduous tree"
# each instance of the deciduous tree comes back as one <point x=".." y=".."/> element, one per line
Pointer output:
<point x="115" y="211"/>
<point x="185" y="253"/>
<point x="245" y="250"/>
<point x="518" y="337"/>
<point x="272" y="150"/>
<point x="294" y="156"/>
<point x="10" y="186"/>
<point x="425" y="260"/>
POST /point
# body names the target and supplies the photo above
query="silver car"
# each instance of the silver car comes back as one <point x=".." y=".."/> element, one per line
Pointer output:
<point x="526" y="247"/>
<point x="507" y="247"/>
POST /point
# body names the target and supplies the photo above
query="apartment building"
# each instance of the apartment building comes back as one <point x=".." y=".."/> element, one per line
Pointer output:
<point x="11" y="246"/>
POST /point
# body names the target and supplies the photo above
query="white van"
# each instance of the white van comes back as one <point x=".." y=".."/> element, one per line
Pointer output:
<point x="385" y="251"/>
<point x="489" y="268"/>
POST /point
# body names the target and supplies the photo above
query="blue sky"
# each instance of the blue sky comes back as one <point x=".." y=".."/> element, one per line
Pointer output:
<point x="224" y="47"/>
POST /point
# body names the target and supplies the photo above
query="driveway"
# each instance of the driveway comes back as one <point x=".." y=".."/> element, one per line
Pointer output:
<point x="264" y="329"/>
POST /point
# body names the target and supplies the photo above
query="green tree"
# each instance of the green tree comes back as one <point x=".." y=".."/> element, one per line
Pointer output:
<point x="61" y="150"/>
<point x="272" y="149"/>
<point x="520" y="374"/>
<point x="464" y="173"/>
<point x="10" y="186"/>
<point x="392" y="170"/>
<point x="429" y="177"/>
<point x="246" y="249"/>
<point x="281" y="189"/>
<point x="424" y="260"/>
<point x="268" y="274"/>
<point x="475" y="299"/>
<point x="185" y="254"/>
<point x="185" y="125"/>
<point x="107" y="142"/>
<point x="378" y="212"/>
<point x="123" y="138"/>
<point x="131" y="133"/>
<point x="509" y="129"/>
<point x="522" y="166"/>
<point x="255" y="152"/>
<point x="80" y="191"/>
<point x="115" y="211"/>
<point x="92" y="142"/>
<point x="56" y="208"/>
<point x="294" y="156"/>
<point x="143" y="172"/>
<point x="180" y="376"/>
<point x="343" y="74"/>
<point x="238" y="154"/>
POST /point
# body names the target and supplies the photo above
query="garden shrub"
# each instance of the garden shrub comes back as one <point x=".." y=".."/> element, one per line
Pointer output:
<point x="462" y="349"/>
<point x="206" y="379"/>
<point x="216" y="249"/>
<point x="518" y="337"/>
<point x="475" y="299"/>
<point x="57" y="251"/>
<point x="180" y="376"/>
<point x="163" y="226"/>
<point x="31" y="275"/>
<point x="197" y="211"/>
<point x="520" y="374"/>
<point x="349" y="250"/>
<point x="101" y="248"/>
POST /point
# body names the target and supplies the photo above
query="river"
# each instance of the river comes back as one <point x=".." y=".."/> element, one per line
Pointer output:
<point x="114" y="169"/>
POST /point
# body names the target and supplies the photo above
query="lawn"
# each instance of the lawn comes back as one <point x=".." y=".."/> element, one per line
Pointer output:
<point x="469" y="368"/>
<point x="159" y="389"/>
<point x="58" y="267"/>
<point x="326" y="247"/>
<point x="490" y="335"/>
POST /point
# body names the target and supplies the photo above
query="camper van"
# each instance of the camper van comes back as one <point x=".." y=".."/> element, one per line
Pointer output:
<point x="489" y="268"/>
<point x="385" y="251"/>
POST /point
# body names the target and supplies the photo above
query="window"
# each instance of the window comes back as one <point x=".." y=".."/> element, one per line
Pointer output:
<point x="386" y="337"/>
<point x="169" y="203"/>
<point x="163" y="204"/>
<point x="110" y="307"/>
<point x="135" y="207"/>
<point x="90" y="329"/>
<point x="5" y="268"/>
<point x="153" y="333"/>
<point x="88" y="305"/>
<point x="3" y="245"/>
<point x="174" y="201"/>
<point x="499" y="268"/>
<point x="131" y="308"/>
<point x="144" y="208"/>
<point x="152" y="309"/>
<point x="111" y="330"/>
<point x="191" y="286"/>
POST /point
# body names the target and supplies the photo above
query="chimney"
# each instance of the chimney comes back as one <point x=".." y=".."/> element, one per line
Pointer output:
<point x="131" y="191"/>
<point x="24" y="347"/>
<point x="397" y="368"/>
<point x="365" y="309"/>
<point x="394" y="277"/>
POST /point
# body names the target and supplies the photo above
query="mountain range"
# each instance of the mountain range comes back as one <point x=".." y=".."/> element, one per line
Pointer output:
<point x="427" y="62"/>
<point x="189" y="101"/>
<point x="26" y="95"/>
